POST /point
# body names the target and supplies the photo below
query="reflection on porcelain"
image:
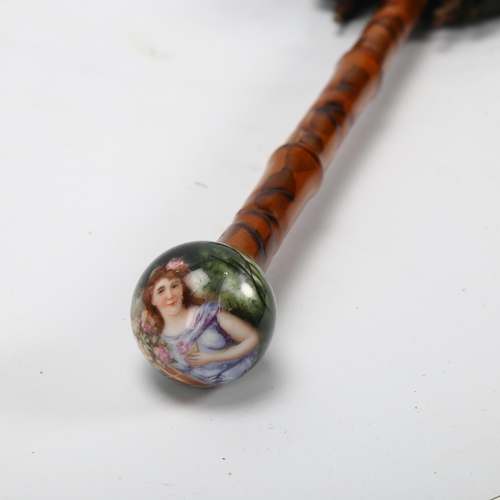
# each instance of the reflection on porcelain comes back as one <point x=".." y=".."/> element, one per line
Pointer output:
<point x="203" y="313"/>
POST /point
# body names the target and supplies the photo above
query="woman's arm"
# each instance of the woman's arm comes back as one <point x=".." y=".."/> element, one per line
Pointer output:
<point x="240" y="331"/>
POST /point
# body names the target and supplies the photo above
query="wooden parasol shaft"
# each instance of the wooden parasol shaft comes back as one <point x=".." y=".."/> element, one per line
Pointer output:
<point x="295" y="170"/>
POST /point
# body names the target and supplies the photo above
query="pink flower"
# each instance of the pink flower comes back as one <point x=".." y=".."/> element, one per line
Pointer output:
<point x="175" y="264"/>
<point x="162" y="353"/>
<point x="147" y="328"/>
<point x="183" y="347"/>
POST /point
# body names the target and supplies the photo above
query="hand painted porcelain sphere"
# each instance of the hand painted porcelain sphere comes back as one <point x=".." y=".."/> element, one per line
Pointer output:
<point x="203" y="313"/>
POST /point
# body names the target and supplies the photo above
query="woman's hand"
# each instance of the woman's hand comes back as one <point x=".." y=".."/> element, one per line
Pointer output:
<point x="199" y="359"/>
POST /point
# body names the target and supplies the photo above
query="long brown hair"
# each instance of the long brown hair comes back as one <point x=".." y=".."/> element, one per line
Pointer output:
<point x="176" y="268"/>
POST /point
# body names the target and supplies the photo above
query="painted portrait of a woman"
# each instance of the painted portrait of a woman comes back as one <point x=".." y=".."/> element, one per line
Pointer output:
<point x="196" y="341"/>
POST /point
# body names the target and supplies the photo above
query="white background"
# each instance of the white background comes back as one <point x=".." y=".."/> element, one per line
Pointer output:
<point x="128" y="127"/>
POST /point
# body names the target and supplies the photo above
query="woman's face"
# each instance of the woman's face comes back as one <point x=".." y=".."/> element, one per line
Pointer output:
<point x="167" y="296"/>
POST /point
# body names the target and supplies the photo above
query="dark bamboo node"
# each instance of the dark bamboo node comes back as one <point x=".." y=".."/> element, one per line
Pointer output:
<point x="295" y="171"/>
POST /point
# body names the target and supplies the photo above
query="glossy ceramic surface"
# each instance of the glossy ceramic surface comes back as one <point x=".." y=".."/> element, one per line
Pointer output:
<point x="203" y="313"/>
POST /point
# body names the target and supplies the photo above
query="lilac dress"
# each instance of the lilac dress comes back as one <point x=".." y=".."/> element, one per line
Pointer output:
<point x="205" y="334"/>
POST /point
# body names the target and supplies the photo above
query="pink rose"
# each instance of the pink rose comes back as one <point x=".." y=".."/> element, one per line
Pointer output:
<point x="183" y="347"/>
<point x="175" y="264"/>
<point x="162" y="353"/>
<point x="147" y="328"/>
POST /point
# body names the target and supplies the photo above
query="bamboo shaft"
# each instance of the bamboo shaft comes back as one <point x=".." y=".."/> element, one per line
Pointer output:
<point x="295" y="170"/>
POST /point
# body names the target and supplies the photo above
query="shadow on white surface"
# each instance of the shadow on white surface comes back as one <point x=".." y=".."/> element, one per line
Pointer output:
<point x="263" y="379"/>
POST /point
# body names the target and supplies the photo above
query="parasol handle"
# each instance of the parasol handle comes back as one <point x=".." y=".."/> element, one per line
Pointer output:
<point x="295" y="170"/>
